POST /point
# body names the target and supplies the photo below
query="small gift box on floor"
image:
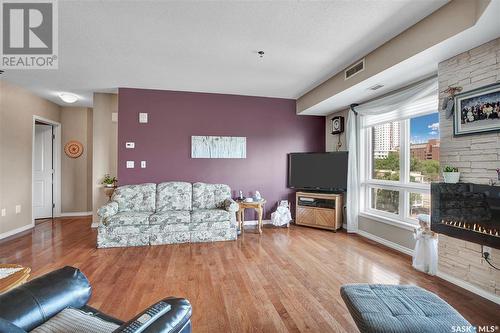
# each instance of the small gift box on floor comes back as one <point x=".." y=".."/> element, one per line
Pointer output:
<point x="425" y="257"/>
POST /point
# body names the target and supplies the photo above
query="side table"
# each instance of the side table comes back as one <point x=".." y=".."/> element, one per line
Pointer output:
<point x="12" y="276"/>
<point x="257" y="205"/>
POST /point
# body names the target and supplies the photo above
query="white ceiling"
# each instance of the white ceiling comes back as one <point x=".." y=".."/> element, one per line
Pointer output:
<point x="417" y="67"/>
<point x="211" y="46"/>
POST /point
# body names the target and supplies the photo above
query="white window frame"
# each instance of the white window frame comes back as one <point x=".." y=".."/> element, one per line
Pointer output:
<point x="404" y="186"/>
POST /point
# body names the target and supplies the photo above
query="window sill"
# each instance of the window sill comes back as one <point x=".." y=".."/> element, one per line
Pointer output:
<point x="387" y="220"/>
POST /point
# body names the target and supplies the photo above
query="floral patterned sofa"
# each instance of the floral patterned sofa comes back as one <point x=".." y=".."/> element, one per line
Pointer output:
<point x="167" y="213"/>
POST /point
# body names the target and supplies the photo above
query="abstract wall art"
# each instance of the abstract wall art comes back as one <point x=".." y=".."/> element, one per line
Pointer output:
<point x="218" y="147"/>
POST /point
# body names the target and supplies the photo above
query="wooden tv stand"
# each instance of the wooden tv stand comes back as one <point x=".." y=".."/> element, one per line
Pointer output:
<point x="319" y="210"/>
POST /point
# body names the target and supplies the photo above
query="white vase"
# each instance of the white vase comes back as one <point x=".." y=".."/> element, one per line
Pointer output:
<point x="451" y="177"/>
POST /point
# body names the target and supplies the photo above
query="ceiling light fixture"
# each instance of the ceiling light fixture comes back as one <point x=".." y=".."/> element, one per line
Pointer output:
<point x="68" y="97"/>
<point x="261" y="54"/>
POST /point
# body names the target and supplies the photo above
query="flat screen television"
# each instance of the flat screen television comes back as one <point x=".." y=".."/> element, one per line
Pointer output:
<point x="318" y="171"/>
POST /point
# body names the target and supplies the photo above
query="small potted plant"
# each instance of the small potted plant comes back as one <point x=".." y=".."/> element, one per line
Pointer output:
<point x="109" y="181"/>
<point x="451" y="174"/>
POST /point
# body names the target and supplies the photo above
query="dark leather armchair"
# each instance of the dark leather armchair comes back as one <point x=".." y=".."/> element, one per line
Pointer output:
<point x="32" y="304"/>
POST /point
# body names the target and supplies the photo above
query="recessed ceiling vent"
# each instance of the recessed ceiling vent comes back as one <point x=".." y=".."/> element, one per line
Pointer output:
<point x="376" y="87"/>
<point x="354" y="69"/>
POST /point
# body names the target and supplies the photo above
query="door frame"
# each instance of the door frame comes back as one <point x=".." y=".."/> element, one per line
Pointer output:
<point x="56" y="163"/>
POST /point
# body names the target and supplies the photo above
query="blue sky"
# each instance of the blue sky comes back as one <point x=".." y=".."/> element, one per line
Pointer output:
<point x="424" y="128"/>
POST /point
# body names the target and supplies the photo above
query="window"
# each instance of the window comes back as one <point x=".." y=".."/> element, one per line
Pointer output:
<point x="385" y="151"/>
<point x="399" y="159"/>
<point x="385" y="200"/>
<point x="420" y="203"/>
<point x="424" y="148"/>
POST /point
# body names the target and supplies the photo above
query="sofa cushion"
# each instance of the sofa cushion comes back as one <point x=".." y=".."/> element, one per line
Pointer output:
<point x="210" y="196"/>
<point x="171" y="217"/>
<point x="136" y="198"/>
<point x="127" y="218"/>
<point x="75" y="321"/>
<point x="210" y="215"/>
<point x="380" y="308"/>
<point x="197" y="226"/>
<point x="173" y="196"/>
<point x="122" y="235"/>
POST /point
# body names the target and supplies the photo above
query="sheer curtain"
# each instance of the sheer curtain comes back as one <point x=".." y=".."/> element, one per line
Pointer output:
<point x="418" y="98"/>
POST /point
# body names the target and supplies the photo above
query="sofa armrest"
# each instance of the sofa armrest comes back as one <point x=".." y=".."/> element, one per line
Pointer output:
<point x="38" y="300"/>
<point x="231" y="206"/>
<point x="8" y="327"/>
<point x="109" y="209"/>
<point x="176" y="320"/>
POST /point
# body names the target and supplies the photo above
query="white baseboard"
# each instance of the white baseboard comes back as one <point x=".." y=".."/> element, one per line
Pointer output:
<point x="469" y="287"/>
<point x="16" y="231"/>
<point x="254" y="222"/>
<point x="71" y="214"/>
<point x="385" y="242"/>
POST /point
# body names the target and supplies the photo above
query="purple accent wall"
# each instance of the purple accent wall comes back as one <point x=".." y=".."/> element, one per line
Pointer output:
<point x="270" y="125"/>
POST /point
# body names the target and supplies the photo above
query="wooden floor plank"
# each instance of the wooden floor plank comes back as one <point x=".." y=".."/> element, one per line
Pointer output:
<point x="285" y="280"/>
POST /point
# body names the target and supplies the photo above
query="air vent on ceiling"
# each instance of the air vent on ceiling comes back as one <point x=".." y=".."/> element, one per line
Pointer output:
<point x="354" y="69"/>
<point x="376" y="87"/>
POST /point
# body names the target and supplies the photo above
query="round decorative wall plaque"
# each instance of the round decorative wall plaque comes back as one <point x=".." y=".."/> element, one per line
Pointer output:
<point x="73" y="149"/>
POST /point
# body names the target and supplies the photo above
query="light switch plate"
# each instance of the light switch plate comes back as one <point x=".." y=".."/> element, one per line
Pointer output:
<point x="18" y="209"/>
<point x="143" y="164"/>
<point x="4" y="212"/>
<point x="130" y="164"/>
<point x="114" y="117"/>
<point x="130" y="145"/>
<point x="143" y="118"/>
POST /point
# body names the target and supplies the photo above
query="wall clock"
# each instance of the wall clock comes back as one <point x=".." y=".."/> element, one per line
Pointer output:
<point x="73" y="149"/>
<point x="337" y="125"/>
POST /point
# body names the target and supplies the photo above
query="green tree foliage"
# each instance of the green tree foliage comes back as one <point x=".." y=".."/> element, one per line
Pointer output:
<point x="388" y="168"/>
<point x="389" y="163"/>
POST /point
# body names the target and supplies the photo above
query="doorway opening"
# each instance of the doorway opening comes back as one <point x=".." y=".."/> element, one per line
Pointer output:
<point x="46" y="199"/>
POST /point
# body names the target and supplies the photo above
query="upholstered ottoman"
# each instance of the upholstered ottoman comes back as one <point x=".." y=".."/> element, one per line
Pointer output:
<point x="399" y="309"/>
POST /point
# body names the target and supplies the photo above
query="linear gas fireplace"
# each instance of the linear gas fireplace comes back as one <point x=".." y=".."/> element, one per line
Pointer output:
<point x="467" y="211"/>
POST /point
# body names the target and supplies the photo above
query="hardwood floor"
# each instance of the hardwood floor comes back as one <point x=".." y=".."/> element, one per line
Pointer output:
<point x="285" y="280"/>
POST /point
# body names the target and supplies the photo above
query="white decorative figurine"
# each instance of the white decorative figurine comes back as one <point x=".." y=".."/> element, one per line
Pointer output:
<point x="425" y="256"/>
<point x="282" y="215"/>
<point x="257" y="196"/>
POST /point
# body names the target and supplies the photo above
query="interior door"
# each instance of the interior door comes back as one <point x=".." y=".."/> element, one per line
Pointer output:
<point x="42" y="172"/>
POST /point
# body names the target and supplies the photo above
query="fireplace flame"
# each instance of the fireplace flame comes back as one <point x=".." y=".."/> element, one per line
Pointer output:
<point x="472" y="227"/>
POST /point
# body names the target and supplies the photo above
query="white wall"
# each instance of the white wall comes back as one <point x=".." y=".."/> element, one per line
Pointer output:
<point x="333" y="139"/>
<point x="76" y="189"/>
<point x="17" y="108"/>
<point x="105" y="153"/>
